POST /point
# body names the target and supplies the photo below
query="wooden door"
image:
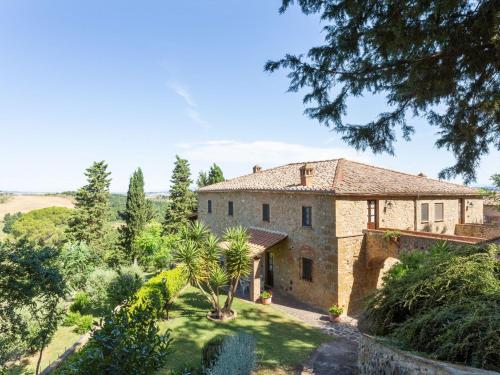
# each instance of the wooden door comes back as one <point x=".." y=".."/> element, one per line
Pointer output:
<point x="461" y="211"/>
<point x="372" y="214"/>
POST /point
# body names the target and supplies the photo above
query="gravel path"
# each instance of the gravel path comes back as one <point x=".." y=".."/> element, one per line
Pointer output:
<point x="338" y="356"/>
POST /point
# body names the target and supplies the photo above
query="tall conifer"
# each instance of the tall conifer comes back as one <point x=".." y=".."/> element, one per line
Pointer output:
<point x="91" y="207"/>
<point x="181" y="199"/>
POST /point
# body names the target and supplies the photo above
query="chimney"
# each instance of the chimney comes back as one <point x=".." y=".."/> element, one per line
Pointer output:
<point x="421" y="175"/>
<point x="257" y="168"/>
<point x="306" y="175"/>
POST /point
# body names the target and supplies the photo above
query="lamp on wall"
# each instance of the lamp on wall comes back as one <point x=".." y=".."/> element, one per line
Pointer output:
<point x="388" y="205"/>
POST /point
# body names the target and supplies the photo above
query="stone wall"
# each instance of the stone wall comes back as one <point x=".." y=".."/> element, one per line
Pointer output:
<point x="491" y="215"/>
<point x="487" y="231"/>
<point x="376" y="358"/>
<point x="317" y="242"/>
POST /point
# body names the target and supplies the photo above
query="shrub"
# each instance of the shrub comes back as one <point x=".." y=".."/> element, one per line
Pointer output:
<point x="443" y="302"/>
<point x="82" y="323"/>
<point x="237" y="356"/>
<point x="97" y="288"/>
<point x="77" y="261"/>
<point x="159" y="291"/>
<point x="123" y="286"/>
<point x="210" y="351"/>
<point x="9" y="220"/>
<point x="81" y="302"/>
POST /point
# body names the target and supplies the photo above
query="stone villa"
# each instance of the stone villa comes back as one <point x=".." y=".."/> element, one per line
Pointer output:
<point x="315" y="226"/>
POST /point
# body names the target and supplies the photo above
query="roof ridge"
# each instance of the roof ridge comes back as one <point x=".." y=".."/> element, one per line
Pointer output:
<point x="337" y="172"/>
<point x="407" y="174"/>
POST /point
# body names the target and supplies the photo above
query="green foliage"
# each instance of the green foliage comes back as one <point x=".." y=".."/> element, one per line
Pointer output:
<point x="127" y="343"/>
<point x="81" y="302"/>
<point x="117" y="203"/>
<point x="182" y="200"/>
<point x="138" y="211"/>
<point x="9" y="220"/>
<point x="88" y="223"/>
<point x="4" y="198"/>
<point x="336" y="310"/>
<point x="123" y="286"/>
<point x="30" y="290"/>
<point x="210" y="351"/>
<point x="97" y="287"/>
<point x="392" y="235"/>
<point x="154" y="250"/>
<point x="77" y="261"/>
<point x="213" y="176"/>
<point x="236" y="357"/>
<point x="443" y="302"/>
<point x="265" y="294"/>
<point x="160" y="291"/>
<point x="82" y="323"/>
<point x="46" y="226"/>
<point x="436" y="59"/>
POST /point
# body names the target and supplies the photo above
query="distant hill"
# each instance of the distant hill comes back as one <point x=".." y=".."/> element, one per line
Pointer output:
<point x="24" y="203"/>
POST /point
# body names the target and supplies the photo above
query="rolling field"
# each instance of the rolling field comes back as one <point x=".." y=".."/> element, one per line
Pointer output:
<point x="26" y="203"/>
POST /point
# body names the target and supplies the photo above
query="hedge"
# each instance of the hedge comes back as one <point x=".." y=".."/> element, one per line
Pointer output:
<point x="160" y="291"/>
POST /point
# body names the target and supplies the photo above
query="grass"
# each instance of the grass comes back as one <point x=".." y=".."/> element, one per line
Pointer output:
<point x="283" y="343"/>
<point x="63" y="339"/>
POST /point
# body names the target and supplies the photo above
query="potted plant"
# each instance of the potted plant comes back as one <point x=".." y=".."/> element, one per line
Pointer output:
<point x="335" y="311"/>
<point x="265" y="297"/>
<point x="392" y="235"/>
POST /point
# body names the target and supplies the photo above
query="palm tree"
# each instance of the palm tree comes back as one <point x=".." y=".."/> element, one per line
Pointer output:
<point x="237" y="257"/>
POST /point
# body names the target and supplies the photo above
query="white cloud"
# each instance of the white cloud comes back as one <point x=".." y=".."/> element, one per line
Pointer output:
<point x="236" y="157"/>
<point x="192" y="111"/>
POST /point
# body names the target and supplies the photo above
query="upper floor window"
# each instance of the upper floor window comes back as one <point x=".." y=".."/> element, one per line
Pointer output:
<point x="306" y="216"/>
<point x="438" y="211"/>
<point x="230" y="208"/>
<point x="307" y="269"/>
<point x="424" y="212"/>
<point x="265" y="212"/>
<point x="209" y="206"/>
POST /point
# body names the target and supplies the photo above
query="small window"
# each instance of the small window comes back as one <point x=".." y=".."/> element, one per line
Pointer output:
<point x="230" y="208"/>
<point x="438" y="211"/>
<point x="424" y="213"/>
<point x="265" y="212"/>
<point x="307" y="268"/>
<point x="306" y="216"/>
<point x="209" y="206"/>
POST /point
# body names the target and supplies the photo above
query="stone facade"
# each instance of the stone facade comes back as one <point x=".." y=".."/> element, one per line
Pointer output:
<point x="335" y="242"/>
<point x="491" y="215"/>
<point x="486" y="231"/>
<point x="376" y="358"/>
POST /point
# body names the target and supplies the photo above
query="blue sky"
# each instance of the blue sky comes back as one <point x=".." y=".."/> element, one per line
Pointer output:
<point x="135" y="83"/>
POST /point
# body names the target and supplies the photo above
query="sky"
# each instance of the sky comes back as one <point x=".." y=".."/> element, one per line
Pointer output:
<point x="137" y="82"/>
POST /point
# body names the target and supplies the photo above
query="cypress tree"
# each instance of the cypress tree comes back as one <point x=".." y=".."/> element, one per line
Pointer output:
<point x="181" y="199"/>
<point x="202" y="179"/>
<point x="137" y="212"/>
<point x="91" y="207"/>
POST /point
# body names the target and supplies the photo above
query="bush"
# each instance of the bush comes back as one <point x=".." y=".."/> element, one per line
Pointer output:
<point x="236" y="357"/>
<point x="97" y="287"/>
<point x="443" y="302"/>
<point x="81" y="303"/>
<point x="9" y="220"/>
<point x="82" y="323"/>
<point x="123" y="286"/>
<point x="159" y="291"/>
<point x="77" y="261"/>
<point x="210" y="351"/>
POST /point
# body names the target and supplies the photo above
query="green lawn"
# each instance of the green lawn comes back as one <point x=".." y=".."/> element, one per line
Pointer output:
<point x="282" y="341"/>
<point x="63" y="338"/>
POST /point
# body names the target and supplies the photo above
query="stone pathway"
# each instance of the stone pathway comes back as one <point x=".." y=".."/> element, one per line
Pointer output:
<point x="338" y="356"/>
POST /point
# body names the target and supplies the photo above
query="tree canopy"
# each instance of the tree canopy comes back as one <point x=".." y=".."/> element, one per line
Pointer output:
<point x="213" y="176"/>
<point x="437" y="59"/>
<point x="92" y="206"/>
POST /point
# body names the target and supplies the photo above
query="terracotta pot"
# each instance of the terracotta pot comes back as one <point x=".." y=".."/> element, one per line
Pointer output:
<point x="335" y="318"/>
<point x="266" y="301"/>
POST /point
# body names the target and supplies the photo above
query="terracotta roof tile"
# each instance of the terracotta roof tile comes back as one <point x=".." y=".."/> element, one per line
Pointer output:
<point x="261" y="240"/>
<point x="341" y="177"/>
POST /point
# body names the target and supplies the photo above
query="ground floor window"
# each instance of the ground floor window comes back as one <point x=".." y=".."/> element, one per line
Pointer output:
<point x="307" y="268"/>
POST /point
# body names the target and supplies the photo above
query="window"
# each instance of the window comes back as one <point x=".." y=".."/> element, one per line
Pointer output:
<point x="372" y="214"/>
<point x="209" y="208"/>
<point x="306" y="216"/>
<point x="307" y="268"/>
<point x="230" y="208"/>
<point x="424" y="212"/>
<point x="265" y="212"/>
<point x="438" y="211"/>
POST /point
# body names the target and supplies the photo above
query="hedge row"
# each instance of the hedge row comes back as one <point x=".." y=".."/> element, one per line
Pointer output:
<point x="160" y="291"/>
